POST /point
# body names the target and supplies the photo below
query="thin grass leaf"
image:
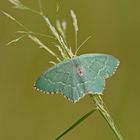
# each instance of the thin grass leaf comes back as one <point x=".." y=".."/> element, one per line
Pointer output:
<point x="15" y="40"/>
<point x="76" y="123"/>
<point x="75" y="25"/>
<point x="41" y="45"/>
<point x="105" y="114"/>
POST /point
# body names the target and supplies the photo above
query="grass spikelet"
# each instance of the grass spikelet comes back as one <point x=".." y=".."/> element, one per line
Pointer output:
<point x="52" y="62"/>
<point x="64" y="25"/>
<point x="58" y="37"/>
<point x="69" y="52"/>
<point x="75" y="25"/>
<point x="60" y="29"/>
<point x="17" y="4"/>
<point x="57" y="5"/>
<point x="61" y="51"/>
<point x="15" y="40"/>
<point x="41" y="45"/>
<point x="52" y="28"/>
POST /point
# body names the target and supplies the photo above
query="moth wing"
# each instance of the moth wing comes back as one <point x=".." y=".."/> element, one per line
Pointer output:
<point x="97" y="67"/>
<point x="61" y="78"/>
<point x="53" y="80"/>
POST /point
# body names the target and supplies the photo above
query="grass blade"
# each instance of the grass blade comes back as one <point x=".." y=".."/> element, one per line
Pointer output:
<point x="75" y="124"/>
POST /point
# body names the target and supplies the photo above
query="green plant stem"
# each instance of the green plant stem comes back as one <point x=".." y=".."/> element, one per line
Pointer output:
<point x="105" y="114"/>
<point x="75" y="124"/>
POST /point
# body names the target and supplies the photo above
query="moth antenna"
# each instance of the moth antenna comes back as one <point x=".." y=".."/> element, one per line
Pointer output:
<point x="82" y="44"/>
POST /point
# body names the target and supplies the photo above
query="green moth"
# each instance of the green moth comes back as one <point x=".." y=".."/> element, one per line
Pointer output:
<point x="78" y="76"/>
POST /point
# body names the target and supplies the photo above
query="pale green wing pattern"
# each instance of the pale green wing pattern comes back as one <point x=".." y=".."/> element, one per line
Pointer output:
<point x="78" y="76"/>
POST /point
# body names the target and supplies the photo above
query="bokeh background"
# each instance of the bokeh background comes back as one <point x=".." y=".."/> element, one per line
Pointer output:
<point x="26" y="114"/>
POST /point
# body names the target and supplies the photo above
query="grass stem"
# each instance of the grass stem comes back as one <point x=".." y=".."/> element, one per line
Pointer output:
<point x="105" y="114"/>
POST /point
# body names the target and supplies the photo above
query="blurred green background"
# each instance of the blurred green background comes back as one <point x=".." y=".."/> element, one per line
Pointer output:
<point x="27" y="115"/>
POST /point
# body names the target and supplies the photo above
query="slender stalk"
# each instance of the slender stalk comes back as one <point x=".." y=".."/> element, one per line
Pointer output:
<point x="16" y="21"/>
<point x="35" y="33"/>
<point x="105" y="114"/>
<point x="40" y="6"/>
<point x="75" y="124"/>
<point x="41" y="45"/>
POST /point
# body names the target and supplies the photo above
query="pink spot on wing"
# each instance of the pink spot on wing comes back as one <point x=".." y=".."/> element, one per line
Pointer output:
<point x="80" y="71"/>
